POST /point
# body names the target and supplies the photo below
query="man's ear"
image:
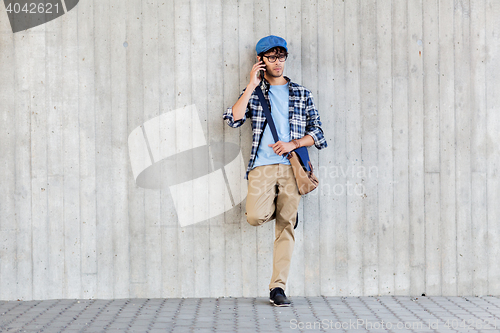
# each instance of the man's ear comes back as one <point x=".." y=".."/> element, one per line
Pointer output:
<point x="259" y="58"/>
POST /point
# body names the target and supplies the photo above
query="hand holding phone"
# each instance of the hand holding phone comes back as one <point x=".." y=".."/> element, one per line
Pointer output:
<point x="257" y="73"/>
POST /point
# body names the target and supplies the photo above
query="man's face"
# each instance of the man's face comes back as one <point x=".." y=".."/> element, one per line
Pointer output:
<point x="274" y="69"/>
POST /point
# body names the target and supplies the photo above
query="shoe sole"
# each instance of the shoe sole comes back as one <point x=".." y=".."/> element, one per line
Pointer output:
<point x="282" y="305"/>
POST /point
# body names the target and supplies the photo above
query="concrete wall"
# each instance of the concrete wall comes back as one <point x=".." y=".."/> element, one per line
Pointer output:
<point x="408" y="95"/>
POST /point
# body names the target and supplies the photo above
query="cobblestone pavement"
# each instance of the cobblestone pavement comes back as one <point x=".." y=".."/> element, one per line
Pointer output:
<point x="307" y="314"/>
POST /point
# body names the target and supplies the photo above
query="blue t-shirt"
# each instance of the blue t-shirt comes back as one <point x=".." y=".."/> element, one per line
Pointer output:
<point x="278" y="96"/>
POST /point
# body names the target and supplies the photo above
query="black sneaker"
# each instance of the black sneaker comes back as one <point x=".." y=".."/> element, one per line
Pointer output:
<point x="278" y="298"/>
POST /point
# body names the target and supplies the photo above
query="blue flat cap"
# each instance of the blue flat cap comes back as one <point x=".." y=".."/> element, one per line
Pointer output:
<point x="267" y="43"/>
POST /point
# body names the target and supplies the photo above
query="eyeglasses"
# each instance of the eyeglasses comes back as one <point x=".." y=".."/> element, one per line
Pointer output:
<point x="281" y="57"/>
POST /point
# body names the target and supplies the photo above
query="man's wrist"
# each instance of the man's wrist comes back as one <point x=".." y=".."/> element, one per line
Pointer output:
<point x="251" y="87"/>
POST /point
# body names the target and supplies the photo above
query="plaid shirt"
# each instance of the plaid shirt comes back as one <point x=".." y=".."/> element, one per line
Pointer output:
<point x="302" y="115"/>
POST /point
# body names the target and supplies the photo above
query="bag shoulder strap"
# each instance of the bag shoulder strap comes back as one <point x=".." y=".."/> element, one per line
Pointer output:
<point x="267" y="112"/>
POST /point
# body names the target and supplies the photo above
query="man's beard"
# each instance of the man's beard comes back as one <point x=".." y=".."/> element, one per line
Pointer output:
<point x="270" y="73"/>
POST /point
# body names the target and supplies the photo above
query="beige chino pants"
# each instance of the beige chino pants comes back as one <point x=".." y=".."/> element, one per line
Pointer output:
<point x="273" y="194"/>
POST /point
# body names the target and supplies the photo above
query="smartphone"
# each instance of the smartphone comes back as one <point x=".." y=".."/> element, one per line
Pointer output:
<point x="261" y="72"/>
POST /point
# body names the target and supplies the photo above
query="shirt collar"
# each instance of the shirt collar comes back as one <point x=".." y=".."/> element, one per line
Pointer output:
<point x="264" y="84"/>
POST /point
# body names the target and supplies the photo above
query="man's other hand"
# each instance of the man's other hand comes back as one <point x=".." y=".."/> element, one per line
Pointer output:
<point x="281" y="147"/>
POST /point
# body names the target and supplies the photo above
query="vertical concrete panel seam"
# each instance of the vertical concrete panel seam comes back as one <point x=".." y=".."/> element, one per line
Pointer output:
<point x="31" y="187"/>
<point x="392" y="141"/>
<point x="95" y="155"/>
<point x="158" y="24"/>
<point x="223" y="99"/>
<point x="208" y="140"/>
<point x="113" y="290"/>
<point x="256" y="233"/>
<point x="423" y="150"/>
<point x="486" y="149"/>
<point x="439" y="133"/>
<point x="144" y="207"/>
<point x="15" y="169"/>
<point x="487" y="86"/>
<point x="457" y="271"/>
<point x="345" y="134"/>
<point x="318" y="201"/>
<point x="408" y="141"/>
<point x="377" y="152"/>
<point x="363" y="220"/>
<point x="46" y="98"/>
<point x="79" y="150"/>
<point x="129" y="166"/>
<point x="455" y="152"/>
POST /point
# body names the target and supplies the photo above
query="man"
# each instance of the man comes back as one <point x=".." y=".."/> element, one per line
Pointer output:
<point x="272" y="189"/>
